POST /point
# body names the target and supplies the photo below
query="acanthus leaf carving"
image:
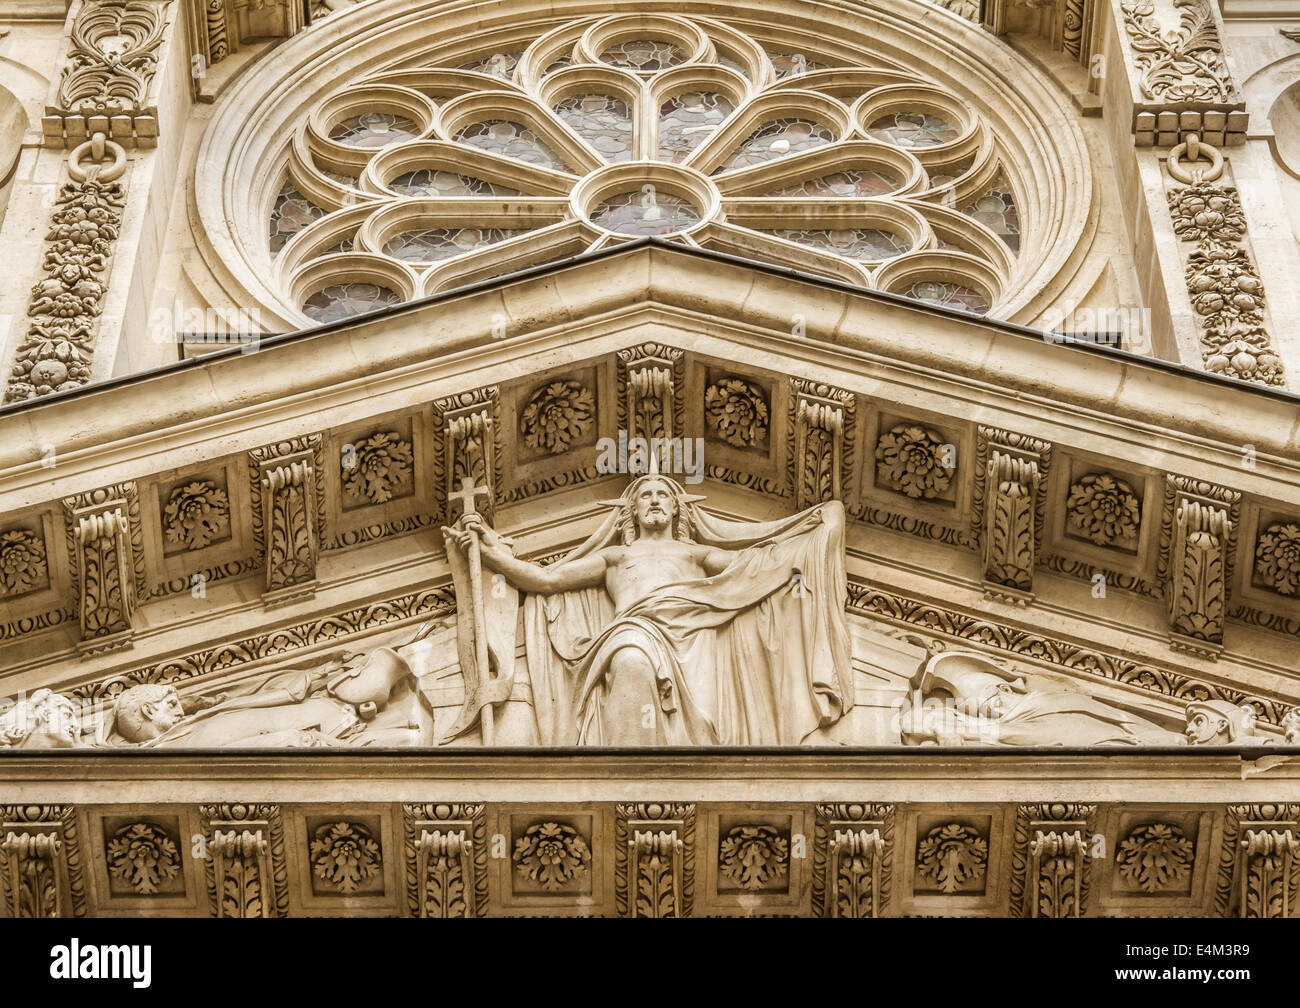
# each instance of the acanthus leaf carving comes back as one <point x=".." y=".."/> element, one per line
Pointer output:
<point x="23" y="563"/>
<point x="551" y="855"/>
<point x="106" y="553"/>
<point x="196" y="515"/>
<point x="246" y="867"/>
<point x="40" y="862"/>
<point x="651" y="404"/>
<point x="446" y="860"/>
<point x="952" y="855"/>
<point x="344" y="855"/>
<point x="379" y="468"/>
<point x="654" y="859"/>
<point x="852" y="859"/>
<point x="1155" y="856"/>
<point x="1009" y="493"/>
<point x="556" y="415"/>
<point x="823" y="441"/>
<point x="915" y="461"/>
<point x="1259" y="863"/>
<point x="736" y="411"/>
<point x="288" y="504"/>
<point x="1198" y="543"/>
<point x="1183" y="64"/>
<point x="1050" y="863"/>
<point x="754" y="857"/>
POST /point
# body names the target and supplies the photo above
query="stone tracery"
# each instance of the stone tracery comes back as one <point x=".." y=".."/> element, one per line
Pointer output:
<point x="471" y="163"/>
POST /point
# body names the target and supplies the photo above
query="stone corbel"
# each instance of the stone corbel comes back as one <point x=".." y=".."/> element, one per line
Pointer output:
<point x="1179" y="77"/>
<point x="1200" y="528"/>
<point x="1268" y="874"/>
<point x="823" y="432"/>
<point x="245" y="860"/>
<point x="287" y="501"/>
<point x="651" y="385"/>
<point x="1010" y="492"/>
<point x="852" y="860"/>
<point x="468" y="429"/>
<point x="107" y="82"/>
<point x="446" y="860"/>
<point x="654" y="860"/>
<point x="1050" y="864"/>
<point x="103" y="536"/>
<point x="40" y="867"/>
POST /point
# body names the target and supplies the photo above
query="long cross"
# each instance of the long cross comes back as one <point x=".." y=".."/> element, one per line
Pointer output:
<point x="467" y="496"/>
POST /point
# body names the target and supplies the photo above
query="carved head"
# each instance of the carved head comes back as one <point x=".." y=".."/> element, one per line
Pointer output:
<point x="978" y="687"/>
<point x="654" y="502"/>
<point x="1291" y="727"/>
<point x="1217" y="722"/>
<point x="145" y="712"/>
<point x="45" y="720"/>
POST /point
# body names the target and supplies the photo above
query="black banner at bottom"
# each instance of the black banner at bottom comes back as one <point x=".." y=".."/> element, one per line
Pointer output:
<point x="329" y="956"/>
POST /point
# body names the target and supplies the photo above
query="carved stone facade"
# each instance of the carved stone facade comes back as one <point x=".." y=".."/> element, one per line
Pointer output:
<point x="627" y="454"/>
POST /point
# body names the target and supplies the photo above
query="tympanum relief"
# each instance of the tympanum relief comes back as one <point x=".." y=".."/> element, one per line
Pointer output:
<point x="668" y="625"/>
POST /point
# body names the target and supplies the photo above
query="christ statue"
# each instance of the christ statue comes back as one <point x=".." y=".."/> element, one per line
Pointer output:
<point x="669" y="626"/>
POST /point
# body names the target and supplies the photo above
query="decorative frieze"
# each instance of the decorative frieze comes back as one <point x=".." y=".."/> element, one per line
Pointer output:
<point x="1010" y="498"/>
<point x="915" y="461"/>
<point x="246" y="869"/>
<point x="1050" y="863"/>
<point x="654" y="859"/>
<point x="446" y="860"/>
<point x="853" y="848"/>
<point x="952" y="856"/>
<point x="1155" y="857"/>
<point x="378" y="469"/>
<point x="822" y="452"/>
<point x="556" y="415"/>
<point x="344" y="855"/>
<point x="737" y="412"/>
<point x="468" y="435"/>
<point x="289" y="521"/>
<point x="1225" y="288"/>
<point x="114" y="47"/>
<point x="56" y="353"/>
<point x="23" y="562"/>
<point x="551" y="855"/>
<point x="143" y="857"/>
<point x="40" y="862"/>
<point x="106" y="552"/>
<point x="1104" y="510"/>
<point x="1198" y="542"/>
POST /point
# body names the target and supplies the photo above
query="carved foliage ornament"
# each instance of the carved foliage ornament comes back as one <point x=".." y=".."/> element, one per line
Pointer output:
<point x="1155" y="857"/>
<point x="915" y="461"/>
<point x="1277" y="557"/>
<point x="196" y="515"/>
<point x="754" y="857"/>
<point x="951" y="856"/>
<point x="56" y="352"/>
<point x="378" y="468"/>
<point x="345" y="855"/>
<point x="1223" y="283"/>
<point x="852" y="853"/>
<point x="246" y="867"/>
<point x="1183" y="64"/>
<point x="551" y="855"/>
<point x="654" y="859"/>
<point x="446" y="860"/>
<point x="22" y="562"/>
<point x="112" y="57"/>
<point x="556" y="415"/>
<point x="737" y="412"/>
<point x="143" y="856"/>
<point x="1104" y="509"/>
<point x="39" y="856"/>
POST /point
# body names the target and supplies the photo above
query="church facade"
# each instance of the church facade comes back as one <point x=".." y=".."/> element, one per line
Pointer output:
<point x="810" y="458"/>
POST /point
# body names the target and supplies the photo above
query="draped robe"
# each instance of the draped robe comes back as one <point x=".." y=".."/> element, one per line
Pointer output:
<point x="751" y="656"/>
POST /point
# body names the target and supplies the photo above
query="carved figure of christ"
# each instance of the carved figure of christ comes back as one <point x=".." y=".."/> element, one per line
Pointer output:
<point x="629" y="574"/>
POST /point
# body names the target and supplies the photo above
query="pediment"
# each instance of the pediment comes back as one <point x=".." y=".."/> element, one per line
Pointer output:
<point x="1020" y="496"/>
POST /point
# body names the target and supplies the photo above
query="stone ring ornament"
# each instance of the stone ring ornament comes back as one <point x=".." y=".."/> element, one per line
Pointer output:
<point x="96" y="147"/>
<point x="1194" y="148"/>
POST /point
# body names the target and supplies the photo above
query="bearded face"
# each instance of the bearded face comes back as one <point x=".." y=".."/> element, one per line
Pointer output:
<point x="655" y="506"/>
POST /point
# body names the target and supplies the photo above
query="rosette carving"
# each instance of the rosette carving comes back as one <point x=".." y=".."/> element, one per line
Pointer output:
<point x="1104" y="509"/>
<point x="737" y="411"/>
<point x="915" y="461"/>
<point x="556" y="415"/>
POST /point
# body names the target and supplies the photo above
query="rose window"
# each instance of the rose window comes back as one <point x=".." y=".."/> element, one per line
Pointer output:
<point x="478" y="161"/>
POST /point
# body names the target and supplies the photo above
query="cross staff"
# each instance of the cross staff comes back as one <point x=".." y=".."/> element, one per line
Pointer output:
<point x="467" y="496"/>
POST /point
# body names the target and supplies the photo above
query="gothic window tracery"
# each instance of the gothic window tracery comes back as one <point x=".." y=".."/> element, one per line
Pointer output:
<point x="475" y="162"/>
